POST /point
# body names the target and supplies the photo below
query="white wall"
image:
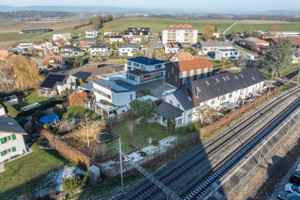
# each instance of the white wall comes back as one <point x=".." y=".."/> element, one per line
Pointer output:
<point x="142" y="67"/>
<point x="180" y="36"/>
<point x="18" y="143"/>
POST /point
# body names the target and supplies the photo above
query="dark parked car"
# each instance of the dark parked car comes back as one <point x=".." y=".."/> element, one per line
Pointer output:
<point x="287" y="196"/>
<point x="295" y="178"/>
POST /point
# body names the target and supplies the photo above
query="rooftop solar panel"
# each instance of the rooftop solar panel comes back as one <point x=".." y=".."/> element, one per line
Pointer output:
<point x="51" y="80"/>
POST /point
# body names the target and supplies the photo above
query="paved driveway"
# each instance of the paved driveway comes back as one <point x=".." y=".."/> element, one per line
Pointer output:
<point x="154" y="43"/>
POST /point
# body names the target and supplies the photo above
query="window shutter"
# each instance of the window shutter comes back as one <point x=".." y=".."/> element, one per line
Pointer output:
<point x="2" y="153"/>
<point x="13" y="149"/>
<point x="13" y="136"/>
<point x="2" y="140"/>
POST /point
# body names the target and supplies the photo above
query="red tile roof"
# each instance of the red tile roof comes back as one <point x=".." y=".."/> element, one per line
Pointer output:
<point x="180" y="26"/>
<point x="186" y="65"/>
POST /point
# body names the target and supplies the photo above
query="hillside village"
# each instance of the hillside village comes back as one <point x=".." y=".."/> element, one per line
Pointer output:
<point x="152" y="90"/>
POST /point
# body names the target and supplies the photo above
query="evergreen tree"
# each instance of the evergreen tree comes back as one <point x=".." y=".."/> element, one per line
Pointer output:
<point x="279" y="58"/>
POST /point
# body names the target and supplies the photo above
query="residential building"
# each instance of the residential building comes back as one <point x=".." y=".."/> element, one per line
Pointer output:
<point x="135" y="31"/>
<point x="55" y="83"/>
<point x="229" y="54"/>
<point x="12" y="142"/>
<point x="143" y="69"/>
<point x="25" y="47"/>
<point x="295" y="41"/>
<point x="205" y="48"/>
<point x="183" y="33"/>
<point x="215" y="92"/>
<point x="87" y="42"/>
<point x="112" y="98"/>
<point x="11" y="100"/>
<point x="138" y="39"/>
<point x="182" y="56"/>
<point x="2" y="110"/>
<point x="71" y="51"/>
<point x="173" y="47"/>
<point x="109" y="33"/>
<point x="114" y="39"/>
<point x="5" y="53"/>
<point x="255" y="44"/>
<point x="62" y="42"/>
<point x="182" y="72"/>
<point x="45" y="48"/>
<point x="63" y="36"/>
<point x="91" y="34"/>
<point x="56" y="62"/>
<point x="100" y="51"/>
<point x="128" y="50"/>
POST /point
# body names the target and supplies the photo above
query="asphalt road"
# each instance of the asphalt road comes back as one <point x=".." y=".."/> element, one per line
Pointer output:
<point x="152" y="45"/>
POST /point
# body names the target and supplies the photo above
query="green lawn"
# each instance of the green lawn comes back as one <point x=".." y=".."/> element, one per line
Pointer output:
<point x="263" y="26"/>
<point x="27" y="173"/>
<point x="78" y="110"/>
<point x="14" y="36"/>
<point x="32" y="98"/>
<point x="141" y="135"/>
<point x="157" y="25"/>
<point x="293" y="69"/>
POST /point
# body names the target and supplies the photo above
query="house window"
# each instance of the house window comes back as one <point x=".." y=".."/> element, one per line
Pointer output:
<point x="158" y="66"/>
<point x="131" y="97"/>
<point x="168" y="74"/>
<point x="179" y="121"/>
<point x="178" y="105"/>
<point x="171" y="102"/>
<point x="230" y="95"/>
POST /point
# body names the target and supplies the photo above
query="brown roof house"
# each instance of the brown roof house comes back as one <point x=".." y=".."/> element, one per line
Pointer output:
<point x="182" y="56"/>
<point x="11" y="139"/>
<point x="182" y="72"/>
<point x="56" y="62"/>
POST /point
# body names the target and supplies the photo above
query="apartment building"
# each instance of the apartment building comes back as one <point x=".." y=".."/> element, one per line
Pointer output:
<point x="183" y="33"/>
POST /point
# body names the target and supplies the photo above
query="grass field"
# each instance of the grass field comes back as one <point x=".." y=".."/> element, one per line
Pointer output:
<point x="32" y="98"/>
<point x="78" y="110"/>
<point x="26" y="174"/>
<point x="157" y="25"/>
<point x="263" y="26"/>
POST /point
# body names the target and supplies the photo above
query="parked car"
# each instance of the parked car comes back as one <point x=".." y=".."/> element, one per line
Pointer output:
<point x="294" y="189"/>
<point x="283" y="195"/>
<point x="295" y="178"/>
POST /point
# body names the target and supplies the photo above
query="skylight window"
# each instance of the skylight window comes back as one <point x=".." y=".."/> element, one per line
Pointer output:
<point x="207" y="83"/>
<point x="253" y="78"/>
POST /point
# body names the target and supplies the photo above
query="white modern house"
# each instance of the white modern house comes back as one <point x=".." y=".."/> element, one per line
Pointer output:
<point x="11" y="100"/>
<point x="24" y="47"/>
<point x="92" y="34"/>
<point x="215" y="92"/>
<point x="55" y="83"/>
<point x="183" y="33"/>
<point x="99" y="51"/>
<point x="173" y="47"/>
<point x="128" y="50"/>
<point x="63" y="36"/>
<point x="12" y="142"/>
<point x="142" y="69"/>
<point x="112" y="98"/>
<point x="45" y="48"/>
<point x="71" y="51"/>
<point x="205" y="48"/>
<point x="230" y="54"/>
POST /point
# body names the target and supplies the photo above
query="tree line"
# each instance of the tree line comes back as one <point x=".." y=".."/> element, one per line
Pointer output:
<point x="35" y="14"/>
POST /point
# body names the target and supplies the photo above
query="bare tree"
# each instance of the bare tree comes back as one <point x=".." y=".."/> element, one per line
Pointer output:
<point x="131" y="126"/>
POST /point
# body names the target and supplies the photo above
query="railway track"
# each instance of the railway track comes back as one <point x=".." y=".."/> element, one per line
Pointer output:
<point x="169" y="175"/>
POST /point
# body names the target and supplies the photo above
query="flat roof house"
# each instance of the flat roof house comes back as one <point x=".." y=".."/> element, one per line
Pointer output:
<point x="230" y="54"/>
<point x="92" y="34"/>
<point x="215" y="92"/>
<point x="71" y="51"/>
<point x="112" y="98"/>
<point x="182" y="72"/>
<point x="64" y="36"/>
<point x="99" y="51"/>
<point x="87" y="42"/>
<point x="11" y="100"/>
<point x="55" y="83"/>
<point x="11" y="139"/>
<point x="173" y="47"/>
<point x="56" y="62"/>
<point x="128" y="50"/>
<point x="142" y="69"/>
<point x="205" y="48"/>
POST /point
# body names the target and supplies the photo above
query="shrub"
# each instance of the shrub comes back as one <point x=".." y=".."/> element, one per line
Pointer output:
<point x="71" y="185"/>
<point x="154" y="142"/>
<point x="10" y="109"/>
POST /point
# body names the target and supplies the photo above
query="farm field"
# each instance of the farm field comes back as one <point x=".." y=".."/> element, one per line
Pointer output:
<point x="157" y="25"/>
<point x="263" y="25"/>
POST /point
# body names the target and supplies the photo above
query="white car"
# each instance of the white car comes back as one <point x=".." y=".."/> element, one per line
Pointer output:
<point x="294" y="189"/>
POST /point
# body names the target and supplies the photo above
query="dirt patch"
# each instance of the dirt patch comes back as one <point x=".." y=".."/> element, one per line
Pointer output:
<point x="261" y="183"/>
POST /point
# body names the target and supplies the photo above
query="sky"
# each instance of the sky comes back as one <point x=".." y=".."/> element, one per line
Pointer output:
<point x="193" y="5"/>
